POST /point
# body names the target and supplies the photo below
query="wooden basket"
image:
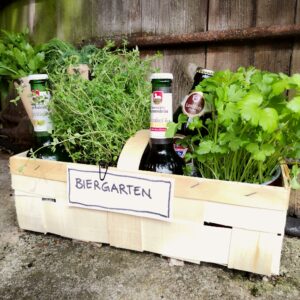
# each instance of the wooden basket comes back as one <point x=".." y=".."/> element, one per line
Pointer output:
<point x="229" y="223"/>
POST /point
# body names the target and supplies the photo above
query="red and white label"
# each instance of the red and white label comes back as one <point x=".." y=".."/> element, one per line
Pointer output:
<point x="161" y="114"/>
<point x="193" y="104"/>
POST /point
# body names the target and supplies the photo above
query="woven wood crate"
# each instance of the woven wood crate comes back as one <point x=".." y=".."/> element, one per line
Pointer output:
<point x="234" y="224"/>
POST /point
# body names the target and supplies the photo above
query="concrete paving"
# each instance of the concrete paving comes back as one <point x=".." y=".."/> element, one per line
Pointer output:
<point x="37" y="266"/>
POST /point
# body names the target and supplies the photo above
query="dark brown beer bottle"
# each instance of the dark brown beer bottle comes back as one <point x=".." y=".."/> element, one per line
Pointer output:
<point x="194" y="103"/>
<point x="162" y="157"/>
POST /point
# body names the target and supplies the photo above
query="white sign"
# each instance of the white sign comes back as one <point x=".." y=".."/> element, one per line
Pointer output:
<point x="118" y="191"/>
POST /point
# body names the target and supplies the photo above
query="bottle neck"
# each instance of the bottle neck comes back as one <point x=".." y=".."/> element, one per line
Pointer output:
<point x="162" y="141"/>
<point x="198" y="78"/>
<point x="40" y="85"/>
<point x="43" y="138"/>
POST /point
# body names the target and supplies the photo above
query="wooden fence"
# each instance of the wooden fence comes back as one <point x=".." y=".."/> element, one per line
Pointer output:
<point x="163" y="22"/>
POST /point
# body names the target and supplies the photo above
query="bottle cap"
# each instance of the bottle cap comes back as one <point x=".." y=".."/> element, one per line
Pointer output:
<point x="161" y="76"/>
<point x="38" y="77"/>
<point x="205" y="71"/>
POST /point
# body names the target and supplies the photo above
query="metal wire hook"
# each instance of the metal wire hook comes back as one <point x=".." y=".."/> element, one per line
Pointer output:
<point x="100" y="172"/>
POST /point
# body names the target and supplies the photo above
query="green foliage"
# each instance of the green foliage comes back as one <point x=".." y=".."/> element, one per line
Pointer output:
<point x="94" y="118"/>
<point x="18" y="58"/>
<point x="253" y="125"/>
<point x="295" y="182"/>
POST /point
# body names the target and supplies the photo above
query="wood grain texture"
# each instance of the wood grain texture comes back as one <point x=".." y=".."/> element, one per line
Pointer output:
<point x="229" y="15"/>
<point x="178" y="16"/>
<point x="125" y="231"/>
<point x="295" y="61"/>
<point x="246" y="251"/>
<point x="186" y="237"/>
<point x="275" y="12"/>
<point x="274" y="57"/>
<point x="110" y="18"/>
<point x="234" y="193"/>
<point x="176" y="61"/>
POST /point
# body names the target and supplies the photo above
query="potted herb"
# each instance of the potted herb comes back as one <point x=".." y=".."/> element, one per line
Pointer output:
<point x="94" y="118"/>
<point x="253" y="126"/>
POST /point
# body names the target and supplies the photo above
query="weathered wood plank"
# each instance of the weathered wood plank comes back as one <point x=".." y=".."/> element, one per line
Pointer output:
<point x="115" y="18"/>
<point x="166" y="17"/>
<point x="275" y="57"/>
<point x="177" y="61"/>
<point x="229" y="15"/>
<point x="295" y="61"/>
<point x="73" y="19"/>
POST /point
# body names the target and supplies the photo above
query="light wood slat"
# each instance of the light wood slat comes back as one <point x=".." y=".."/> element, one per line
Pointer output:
<point x="30" y="213"/>
<point x="42" y="215"/>
<point x="188" y="210"/>
<point x="47" y="169"/>
<point x="254" y="251"/>
<point x="125" y="231"/>
<point x="179" y="239"/>
<point x="133" y="151"/>
<point x="216" y="244"/>
<point x="237" y="193"/>
<point x="251" y="218"/>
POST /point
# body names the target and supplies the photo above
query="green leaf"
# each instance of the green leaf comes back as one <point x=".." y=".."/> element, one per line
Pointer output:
<point x="260" y="156"/>
<point x="229" y="114"/>
<point x="6" y="71"/>
<point x="235" y="144"/>
<point x="204" y="147"/>
<point x="235" y="93"/>
<point x="182" y="118"/>
<point x="294" y="105"/>
<point x="252" y="148"/>
<point x="267" y="149"/>
<point x="260" y="153"/>
<point x="195" y="123"/>
<point x="295" y="79"/>
<point x="268" y="119"/>
<point x="279" y="87"/>
<point x="249" y="107"/>
<point x="171" y="129"/>
<point x="295" y="183"/>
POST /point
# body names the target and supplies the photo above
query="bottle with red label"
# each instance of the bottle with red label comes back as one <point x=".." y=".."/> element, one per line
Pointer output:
<point x="162" y="157"/>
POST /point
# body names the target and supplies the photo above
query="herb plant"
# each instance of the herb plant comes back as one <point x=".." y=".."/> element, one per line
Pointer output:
<point x="94" y="118"/>
<point x="18" y="58"/>
<point x="253" y="125"/>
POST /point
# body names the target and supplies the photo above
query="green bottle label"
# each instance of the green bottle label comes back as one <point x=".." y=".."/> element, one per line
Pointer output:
<point x="40" y="111"/>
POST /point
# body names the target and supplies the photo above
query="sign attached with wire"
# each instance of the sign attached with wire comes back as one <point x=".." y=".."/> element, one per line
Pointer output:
<point x="118" y="191"/>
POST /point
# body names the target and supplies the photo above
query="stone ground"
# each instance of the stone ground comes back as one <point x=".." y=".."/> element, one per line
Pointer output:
<point x="37" y="266"/>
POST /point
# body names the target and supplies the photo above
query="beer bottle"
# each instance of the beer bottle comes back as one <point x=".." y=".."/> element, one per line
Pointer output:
<point x="162" y="157"/>
<point x="42" y="125"/>
<point x="194" y="103"/>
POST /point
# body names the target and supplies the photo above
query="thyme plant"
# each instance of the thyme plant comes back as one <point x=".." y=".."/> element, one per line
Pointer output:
<point x="94" y="118"/>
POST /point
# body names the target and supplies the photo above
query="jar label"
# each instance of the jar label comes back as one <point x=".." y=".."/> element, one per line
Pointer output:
<point x="193" y="104"/>
<point x="179" y="149"/>
<point x="40" y="111"/>
<point x="161" y="114"/>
